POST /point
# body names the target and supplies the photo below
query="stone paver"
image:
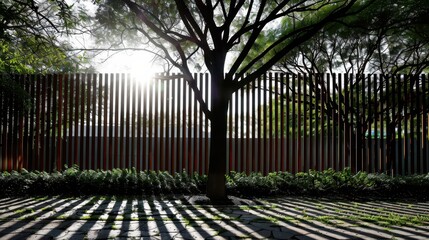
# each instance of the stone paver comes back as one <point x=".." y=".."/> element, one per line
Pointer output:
<point x="278" y="218"/>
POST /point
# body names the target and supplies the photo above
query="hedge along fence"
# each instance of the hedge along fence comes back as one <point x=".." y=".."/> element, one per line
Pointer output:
<point x="282" y="122"/>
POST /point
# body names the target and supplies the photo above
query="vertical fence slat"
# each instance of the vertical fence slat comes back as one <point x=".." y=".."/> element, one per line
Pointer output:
<point x="408" y="126"/>
<point x="83" y="96"/>
<point x="411" y="140"/>
<point x="287" y="130"/>
<point x="424" y="127"/>
<point x="42" y="124"/>
<point x="184" y="123"/>
<point x="162" y="136"/>
<point x="276" y="157"/>
<point x="31" y="152"/>
<point x="328" y="113"/>
<point x="3" y="125"/>
<point x="201" y="149"/>
<point x="230" y="166"/>
<point x="388" y="140"/>
<point x="128" y="95"/>
<point x="107" y="123"/>
<point x="382" y="86"/>
<point x="75" y="110"/>
<point x="364" y="128"/>
<point x="103" y="124"/>
<point x="306" y="139"/>
<point x="145" y="127"/>
<point x="341" y="121"/>
<point x="300" y="144"/>
<point x="195" y="139"/>
<point x="99" y="136"/>
<point x="111" y="112"/>
<point x="347" y="143"/>
<point x="269" y="149"/>
<point x="376" y="145"/>
<point x="324" y="122"/>
<point x="406" y="162"/>
<point x="69" y="123"/>
<point x="6" y="130"/>
<point x="123" y="103"/>
<point x="207" y="129"/>
<point x="358" y="129"/>
<point x="264" y="159"/>
<point x="168" y="136"/>
<point x="65" y="155"/>
<point x="59" y="124"/>
<point x="139" y="95"/>
<point x="371" y="97"/>
<point x="93" y="161"/>
<point x="282" y="124"/>
<point x="295" y="162"/>
<point x="20" y="131"/>
<point x="87" y="123"/>
<point x="173" y="160"/>
<point x="260" y="128"/>
<point x="189" y="124"/>
<point x="13" y="132"/>
<point x="321" y="129"/>
<point x="308" y="79"/>
<point x="254" y="132"/>
<point x="9" y="137"/>
<point x="178" y="128"/>
<point x="398" y="133"/>
<point x="418" y="145"/>
<point x="156" y="129"/>
<point x="50" y="125"/>
<point x="116" y="113"/>
<point x="2" y="117"/>
<point x="132" y="109"/>
<point x="26" y="122"/>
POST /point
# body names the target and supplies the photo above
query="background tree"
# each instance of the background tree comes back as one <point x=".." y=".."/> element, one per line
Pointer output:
<point x="32" y="36"/>
<point x="217" y="32"/>
<point x="386" y="40"/>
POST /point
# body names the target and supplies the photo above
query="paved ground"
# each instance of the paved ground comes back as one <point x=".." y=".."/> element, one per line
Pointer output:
<point x="157" y="218"/>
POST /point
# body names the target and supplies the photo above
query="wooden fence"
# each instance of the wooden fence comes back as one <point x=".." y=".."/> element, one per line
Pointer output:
<point x="281" y="122"/>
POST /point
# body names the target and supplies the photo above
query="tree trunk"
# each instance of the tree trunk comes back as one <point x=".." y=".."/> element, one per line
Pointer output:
<point x="216" y="185"/>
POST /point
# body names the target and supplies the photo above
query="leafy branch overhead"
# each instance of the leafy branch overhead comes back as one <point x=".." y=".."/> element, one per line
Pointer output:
<point x="215" y="31"/>
<point x="31" y="35"/>
<point x="379" y="39"/>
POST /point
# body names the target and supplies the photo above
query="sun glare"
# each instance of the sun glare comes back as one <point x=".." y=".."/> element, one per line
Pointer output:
<point x="138" y="65"/>
<point x="143" y="75"/>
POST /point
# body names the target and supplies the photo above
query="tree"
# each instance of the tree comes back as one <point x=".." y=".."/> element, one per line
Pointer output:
<point x="221" y="31"/>
<point x="388" y="41"/>
<point x="377" y="40"/>
<point x="32" y="36"/>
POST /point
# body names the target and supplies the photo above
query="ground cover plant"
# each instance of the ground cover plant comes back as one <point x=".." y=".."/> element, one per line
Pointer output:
<point x="75" y="182"/>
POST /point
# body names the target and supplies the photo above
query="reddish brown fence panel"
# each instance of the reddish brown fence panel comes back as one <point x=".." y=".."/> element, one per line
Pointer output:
<point x="281" y="122"/>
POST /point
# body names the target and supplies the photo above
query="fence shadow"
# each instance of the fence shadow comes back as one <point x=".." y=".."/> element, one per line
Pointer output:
<point x="178" y="218"/>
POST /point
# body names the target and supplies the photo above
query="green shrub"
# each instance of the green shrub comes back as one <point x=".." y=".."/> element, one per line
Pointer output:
<point x="76" y="182"/>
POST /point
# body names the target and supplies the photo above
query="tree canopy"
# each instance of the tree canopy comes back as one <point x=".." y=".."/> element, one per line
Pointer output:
<point x="32" y="36"/>
<point x="379" y="39"/>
